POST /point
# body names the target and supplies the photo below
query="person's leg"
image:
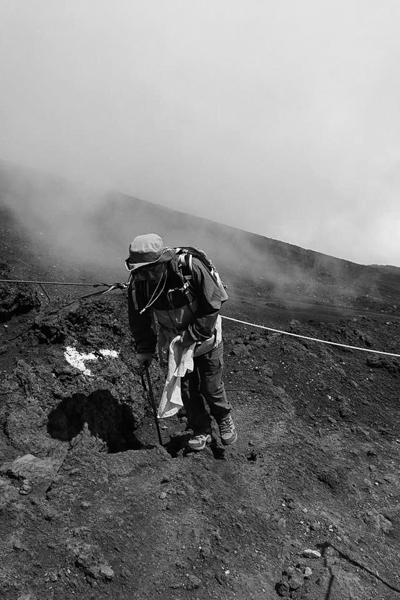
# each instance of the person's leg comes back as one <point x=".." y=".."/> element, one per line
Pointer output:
<point x="210" y="370"/>
<point x="193" y="402"/>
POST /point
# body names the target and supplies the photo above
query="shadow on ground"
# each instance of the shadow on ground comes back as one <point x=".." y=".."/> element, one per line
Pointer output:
<point x="106" y="419"/>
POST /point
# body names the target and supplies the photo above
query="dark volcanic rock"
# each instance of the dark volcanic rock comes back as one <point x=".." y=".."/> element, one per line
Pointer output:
<point x="16" y="301"/>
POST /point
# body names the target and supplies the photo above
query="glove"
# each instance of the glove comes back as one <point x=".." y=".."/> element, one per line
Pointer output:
<point x="144" y="359"/>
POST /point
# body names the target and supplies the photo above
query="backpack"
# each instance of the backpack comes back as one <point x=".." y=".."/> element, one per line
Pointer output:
<point x="185" y="257"/>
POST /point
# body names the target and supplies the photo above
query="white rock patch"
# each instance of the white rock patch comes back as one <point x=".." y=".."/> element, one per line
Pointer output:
<point x="78" y="359"/>
<point x="109" y="353"/>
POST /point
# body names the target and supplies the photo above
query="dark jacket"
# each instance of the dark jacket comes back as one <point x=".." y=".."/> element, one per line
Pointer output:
<point x="177" y="309"/>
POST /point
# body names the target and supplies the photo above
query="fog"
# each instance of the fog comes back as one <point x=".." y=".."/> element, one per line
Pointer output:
<point x="75" y="232"/>
<point x="277" y="118"/>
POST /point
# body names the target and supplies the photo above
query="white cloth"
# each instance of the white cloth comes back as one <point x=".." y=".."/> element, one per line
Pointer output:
<point x="180" y="361"/>
<point x="166" y="335"/>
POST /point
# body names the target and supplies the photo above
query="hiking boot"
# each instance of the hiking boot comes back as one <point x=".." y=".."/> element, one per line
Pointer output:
<point x="227" y="431"/>
<point x="199" y="442"/>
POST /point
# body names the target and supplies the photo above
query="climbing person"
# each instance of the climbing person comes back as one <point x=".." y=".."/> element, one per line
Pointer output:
<point x="174" y="293"/>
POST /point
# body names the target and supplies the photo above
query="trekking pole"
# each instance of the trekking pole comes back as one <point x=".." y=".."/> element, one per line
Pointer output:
<point x="149" y="390"/>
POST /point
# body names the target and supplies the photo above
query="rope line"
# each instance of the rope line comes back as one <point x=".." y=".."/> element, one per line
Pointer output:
<point x="311" y="339"/>
<point x="264" y="327"/>
<point x="53" y="283"/>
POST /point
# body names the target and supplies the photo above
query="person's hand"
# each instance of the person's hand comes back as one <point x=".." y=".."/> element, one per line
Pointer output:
<point x="144" y="359"/>
<point x="186" y="339"/>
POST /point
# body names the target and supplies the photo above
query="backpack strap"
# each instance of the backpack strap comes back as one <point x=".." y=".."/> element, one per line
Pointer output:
<point x="185" y="265"/>
<point x="184" y="270"/>
<point x="133" y="296"/>
<point x="144" y="291"/>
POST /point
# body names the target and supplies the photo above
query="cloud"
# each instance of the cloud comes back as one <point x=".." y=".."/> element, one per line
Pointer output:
<point x="281" y="119"/>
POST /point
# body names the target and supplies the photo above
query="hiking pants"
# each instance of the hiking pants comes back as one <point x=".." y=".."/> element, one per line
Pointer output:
<point x="205" y="384"/>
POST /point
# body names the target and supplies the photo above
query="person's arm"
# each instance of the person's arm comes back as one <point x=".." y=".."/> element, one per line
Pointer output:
<point x="209" y="298"/>
<point x="141" y="327"/>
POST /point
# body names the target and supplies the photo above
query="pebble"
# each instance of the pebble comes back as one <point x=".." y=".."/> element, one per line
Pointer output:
<point x="26" y="488"/>
<point x="194" y="582"/>
<point x="295" y="583"/>
<point x="311" y="553"/>
<point x="282" y="588"/>
<point x="205" y="551"/>
<point x="107" y="572"/>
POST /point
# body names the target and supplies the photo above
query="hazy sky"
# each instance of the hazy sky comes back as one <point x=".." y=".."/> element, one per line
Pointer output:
<point x="281" y="117"/>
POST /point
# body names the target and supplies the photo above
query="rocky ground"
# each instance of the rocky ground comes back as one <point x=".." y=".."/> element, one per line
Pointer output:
<point x="305" y="505"/>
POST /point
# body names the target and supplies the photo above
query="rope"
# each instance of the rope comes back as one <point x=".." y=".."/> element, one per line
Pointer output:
<point x="52" y="283"/>
<point x="111" y="287"/>
<point x="114" y="286"/>
<point x="311" y="339"/>
<point x="123" y="286"/>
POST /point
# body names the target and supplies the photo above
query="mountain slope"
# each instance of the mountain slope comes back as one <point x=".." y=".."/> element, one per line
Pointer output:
<point x="75" y="228"/>
<point x="305" y="505"/>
